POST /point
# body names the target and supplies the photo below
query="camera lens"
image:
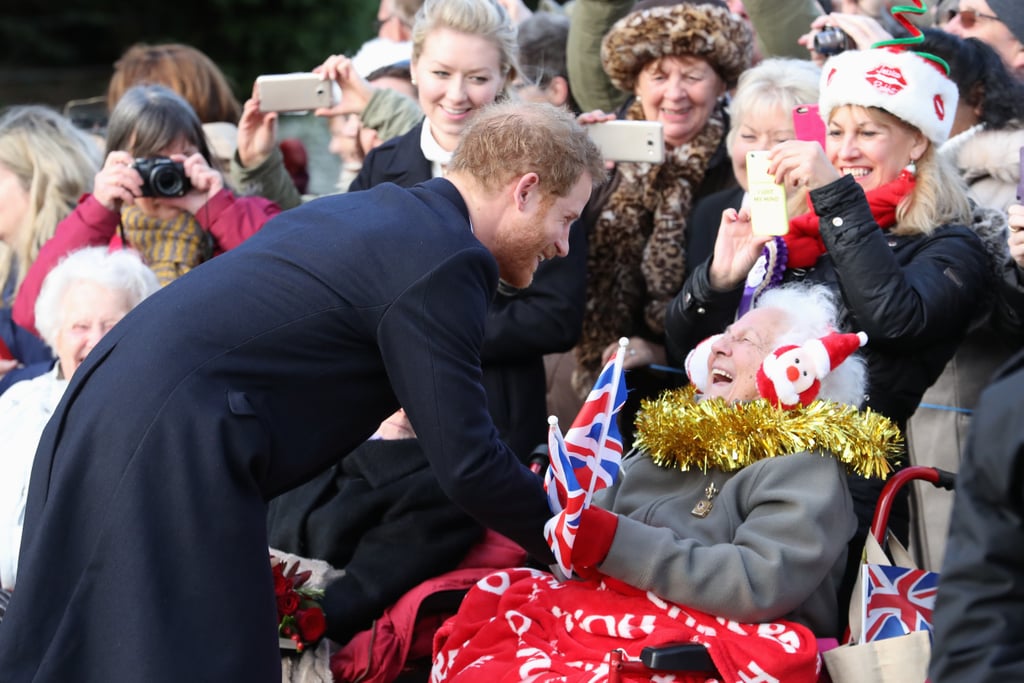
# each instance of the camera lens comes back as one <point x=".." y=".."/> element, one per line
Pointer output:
<point x="832" y="41"/>
<point x="168" y="180"/>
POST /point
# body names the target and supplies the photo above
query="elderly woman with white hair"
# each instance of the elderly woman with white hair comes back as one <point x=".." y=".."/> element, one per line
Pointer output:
<point x="80" y="300"/>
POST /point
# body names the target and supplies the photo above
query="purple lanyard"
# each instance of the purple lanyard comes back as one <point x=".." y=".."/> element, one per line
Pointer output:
<point x="766" y="273"/>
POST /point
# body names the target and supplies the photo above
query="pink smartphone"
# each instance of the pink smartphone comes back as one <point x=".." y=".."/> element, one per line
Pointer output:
<point x="807" y="123"/>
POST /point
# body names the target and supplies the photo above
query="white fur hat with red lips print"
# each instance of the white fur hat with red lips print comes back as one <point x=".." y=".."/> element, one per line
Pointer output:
<point x="903" y="83"/>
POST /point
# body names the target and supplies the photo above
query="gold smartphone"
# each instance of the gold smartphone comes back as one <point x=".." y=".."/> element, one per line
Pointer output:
<point x="629" y="140"/>
<point x="768" y="213"/>
<point x="296" y="92"/>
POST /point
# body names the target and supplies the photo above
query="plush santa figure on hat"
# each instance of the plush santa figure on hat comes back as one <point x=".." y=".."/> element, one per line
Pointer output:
<point x="791" y="375"/>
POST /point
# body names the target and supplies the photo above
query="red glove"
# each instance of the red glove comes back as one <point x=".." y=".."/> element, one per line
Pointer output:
<point x="593" y="540"/>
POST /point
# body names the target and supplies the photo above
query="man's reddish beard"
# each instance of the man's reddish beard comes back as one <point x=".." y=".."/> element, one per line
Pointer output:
<point x="517" y="247"/>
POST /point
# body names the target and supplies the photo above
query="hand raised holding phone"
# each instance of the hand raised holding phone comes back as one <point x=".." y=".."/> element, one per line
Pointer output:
<point x="801" y="164"/>
<point x="737" y="248"/>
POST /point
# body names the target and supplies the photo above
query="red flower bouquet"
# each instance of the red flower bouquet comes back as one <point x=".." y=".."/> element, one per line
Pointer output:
<point x="300" y="619"/>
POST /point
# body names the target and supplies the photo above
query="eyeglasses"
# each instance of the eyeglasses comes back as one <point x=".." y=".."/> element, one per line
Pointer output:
<point x="969" y="17"/>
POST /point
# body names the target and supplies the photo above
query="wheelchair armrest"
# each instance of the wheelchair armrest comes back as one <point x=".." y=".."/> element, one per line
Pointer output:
<point x="681" y="657"/>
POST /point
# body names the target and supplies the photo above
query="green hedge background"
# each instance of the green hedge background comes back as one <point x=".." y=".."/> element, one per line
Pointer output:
<point x="60" y="50"/>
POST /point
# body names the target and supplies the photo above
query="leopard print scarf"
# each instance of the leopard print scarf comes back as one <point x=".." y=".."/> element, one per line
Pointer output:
<point x="637" y="259"/>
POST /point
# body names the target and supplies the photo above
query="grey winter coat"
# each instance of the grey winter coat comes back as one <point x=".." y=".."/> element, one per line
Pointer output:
<point x="773" y="545"/>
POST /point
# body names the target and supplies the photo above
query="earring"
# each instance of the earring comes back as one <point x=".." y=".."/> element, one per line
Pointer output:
<point x="912" y="167"/>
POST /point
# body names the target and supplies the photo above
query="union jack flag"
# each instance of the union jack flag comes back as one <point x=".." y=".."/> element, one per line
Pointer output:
<point x="565" y="497"/>
<point x="587" y="459"/>
<point x="897" y="601"/>
<point x="593" y="441"/>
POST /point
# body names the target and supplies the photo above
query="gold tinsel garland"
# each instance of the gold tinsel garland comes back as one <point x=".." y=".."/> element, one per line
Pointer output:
<point x="678" y="431"/>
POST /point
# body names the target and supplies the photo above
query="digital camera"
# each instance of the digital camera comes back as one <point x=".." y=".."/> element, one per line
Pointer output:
<point x="162" y="177"/>
<point x="832" y="40"/>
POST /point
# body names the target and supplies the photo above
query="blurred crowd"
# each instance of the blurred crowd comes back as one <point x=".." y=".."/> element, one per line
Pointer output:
<point x="903" y="209"/>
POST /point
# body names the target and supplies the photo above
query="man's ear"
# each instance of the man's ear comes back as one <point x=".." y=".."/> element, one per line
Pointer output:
<point x="557" y="91"/>
<point x="526" y="187"/>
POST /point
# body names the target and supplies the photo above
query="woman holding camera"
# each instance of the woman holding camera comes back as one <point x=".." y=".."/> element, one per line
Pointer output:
<point x="177" y="212"/>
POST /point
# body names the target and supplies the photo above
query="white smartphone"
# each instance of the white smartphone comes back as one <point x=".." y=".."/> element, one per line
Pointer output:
<point x="629" y="140"/>
<point x="768" y="213"/>
<point x="299" y="91"/>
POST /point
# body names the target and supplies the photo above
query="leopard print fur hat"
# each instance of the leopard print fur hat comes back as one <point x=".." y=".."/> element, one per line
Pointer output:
<point x="706" y="31"/>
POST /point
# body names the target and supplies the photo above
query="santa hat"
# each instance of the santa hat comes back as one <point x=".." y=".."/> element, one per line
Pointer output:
<point x="903" y="83"/>
<point x="791" y="375"/>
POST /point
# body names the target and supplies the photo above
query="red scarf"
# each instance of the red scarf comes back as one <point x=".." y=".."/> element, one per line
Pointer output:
<point x="804" y="239"/>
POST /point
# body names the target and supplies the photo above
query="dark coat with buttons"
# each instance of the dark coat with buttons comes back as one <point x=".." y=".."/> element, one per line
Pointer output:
<point x="521" y="326"/>
<point x="401" y="530"/>
<point x="144" y="556"/>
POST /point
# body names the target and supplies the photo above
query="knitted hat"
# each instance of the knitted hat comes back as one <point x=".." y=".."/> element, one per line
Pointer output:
<point x="706" y="31"/>
<point x="906" y="85"/>
<point x="791" y="375"/>
<point x="1011" y="13"/>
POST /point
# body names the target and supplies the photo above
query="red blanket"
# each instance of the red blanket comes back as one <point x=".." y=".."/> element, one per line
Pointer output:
<point x="525" y="625"/>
